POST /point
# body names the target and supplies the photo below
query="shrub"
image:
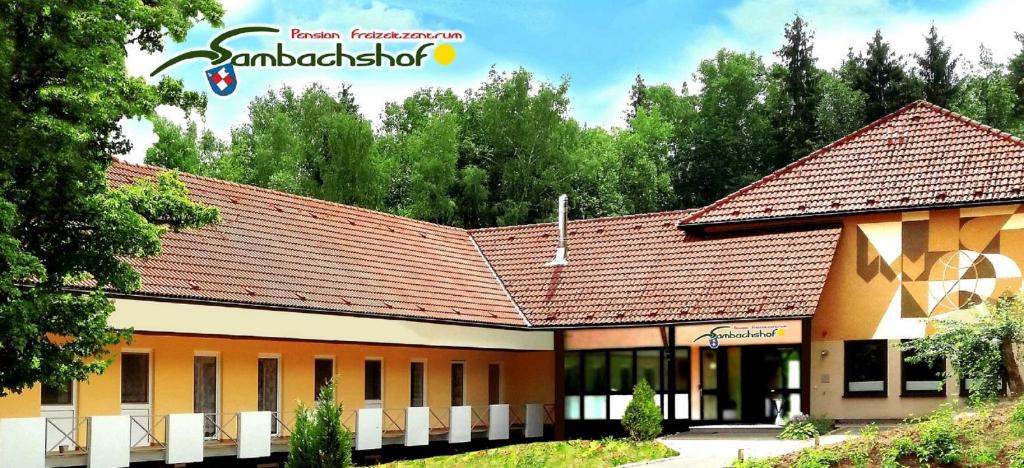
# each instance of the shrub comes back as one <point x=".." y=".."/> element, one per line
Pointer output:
<point x="756" y="463"/>
<point x="318" y="439"/>
<point x="1017" y="419"/>
<point x="642" y="419"/>
<point x="818" y="458"/>
<point x="939" y="438"/>
<point x="798" y="427"/>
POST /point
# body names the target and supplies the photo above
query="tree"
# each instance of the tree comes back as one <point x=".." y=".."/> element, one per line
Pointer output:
<point x="979" y="349"/>
<point x="724" y="146"/>
<point x="433" y="151"/>
<point x="1016" y="75"/>
<point x="800" y="94"/>
<point x="64" y="91"/>
<point x="310" y="143"/>
<point x="880" y="75"/>
<point x="937" y="70"/>
<point x="642" y="418"/>
<point x="987" y="95"/>
<point x="637" y="98"/>
<point x="644" y="150"/>
<point x="840" y="110"/>
<point x="318" y="439"/>
<point x="175" y="148"/>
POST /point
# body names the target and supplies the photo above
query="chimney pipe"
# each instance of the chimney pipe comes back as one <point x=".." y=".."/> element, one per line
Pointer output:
<point x="562" y="253"/>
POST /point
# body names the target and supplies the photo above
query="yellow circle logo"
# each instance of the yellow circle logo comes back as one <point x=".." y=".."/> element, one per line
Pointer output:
<point x="444" y="54"/>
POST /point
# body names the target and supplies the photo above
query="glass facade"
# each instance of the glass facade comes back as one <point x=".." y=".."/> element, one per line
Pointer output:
<point x="599" y="383"/>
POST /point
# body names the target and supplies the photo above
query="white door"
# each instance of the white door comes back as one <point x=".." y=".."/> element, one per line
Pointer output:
<point x="206" y="393"/>
<point x="373" y="394"/>
<point x="58" y="408"/>
<point x="136" y="402"/>
<point x="268" y="388"/>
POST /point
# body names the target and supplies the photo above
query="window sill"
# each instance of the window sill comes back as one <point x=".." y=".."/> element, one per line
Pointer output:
<point x="923" y="395"/>
<point x="866" y="395"/>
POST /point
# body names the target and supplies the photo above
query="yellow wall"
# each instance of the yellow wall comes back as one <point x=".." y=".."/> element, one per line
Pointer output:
<point x="527" y="376"/>
<point x="877" y="288"/>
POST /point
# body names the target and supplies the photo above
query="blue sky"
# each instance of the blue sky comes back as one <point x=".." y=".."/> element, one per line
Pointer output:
<point x="599" y="45"/>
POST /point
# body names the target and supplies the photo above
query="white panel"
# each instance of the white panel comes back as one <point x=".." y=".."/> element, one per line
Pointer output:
<point x="618" y="404"/>
<point x="572" y="407"/>
<point x="659" y="400"/>
<point x="140" y="419"/>
<point x="153" y="316"/>
<point x="254" y="434"/>
<point x="460" y="425"/>
<point x="184" y="438"/>
<point x="868" y="386"/>
<point x="924" y="385"/>
<point x="497" y="422"/>
<point x="109" y="441"/>
<point x="534" y="421"/>
<point x="369" y="428"/>
<point x="22" y="443"/>
<point x="59" y="421"/>
<point x="594" y="407"/>
<point x="682" y="405"/>
<point x="417" y="426"/>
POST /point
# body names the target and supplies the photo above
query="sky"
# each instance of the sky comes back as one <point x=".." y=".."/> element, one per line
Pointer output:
<point x="600" y="46"/>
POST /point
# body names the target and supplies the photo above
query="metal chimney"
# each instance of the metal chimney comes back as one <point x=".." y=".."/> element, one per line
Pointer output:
<point x="562" y="253"/>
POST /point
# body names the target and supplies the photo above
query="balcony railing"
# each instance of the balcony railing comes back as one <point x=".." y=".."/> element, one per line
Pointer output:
<point x="188" y="437"/>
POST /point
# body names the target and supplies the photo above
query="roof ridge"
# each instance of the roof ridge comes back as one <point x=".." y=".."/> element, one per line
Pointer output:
<point x="289" y="195"/>
<point x="587" y="220"/>
<point x="920" y="103"/>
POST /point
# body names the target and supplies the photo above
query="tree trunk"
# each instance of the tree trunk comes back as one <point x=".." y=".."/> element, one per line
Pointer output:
<point x="1014" y="381"/>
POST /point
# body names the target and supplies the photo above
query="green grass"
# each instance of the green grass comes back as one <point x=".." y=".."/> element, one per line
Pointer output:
<point x="989" y="436"/>
<point x="574" y="453"/>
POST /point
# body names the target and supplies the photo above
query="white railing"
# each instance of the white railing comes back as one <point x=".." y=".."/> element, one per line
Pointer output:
<point x="188" y="437"/>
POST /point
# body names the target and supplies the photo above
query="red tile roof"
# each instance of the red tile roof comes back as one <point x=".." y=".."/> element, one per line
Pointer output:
<point x="280" y="250"/>
<point x="919" y="156"/>
<point x="643" y="269"/>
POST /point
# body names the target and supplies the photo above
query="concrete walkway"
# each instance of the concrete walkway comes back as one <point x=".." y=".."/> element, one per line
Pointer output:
<point x="719" y="449"/>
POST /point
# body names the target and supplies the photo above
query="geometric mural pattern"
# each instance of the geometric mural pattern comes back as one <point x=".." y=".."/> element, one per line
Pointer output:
<point x="944" y="261"/>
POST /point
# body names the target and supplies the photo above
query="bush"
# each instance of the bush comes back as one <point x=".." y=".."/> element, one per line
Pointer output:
<point x="798" y="427"/>
<point x="818" y="458"/>
<point x="642" y="420"/>
<point x="939" y="438"/>
<point x="318" y="439"/>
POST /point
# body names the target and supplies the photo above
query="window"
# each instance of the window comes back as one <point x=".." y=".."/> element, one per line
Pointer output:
<point x="965" y="390"/>
<point x="373" y="390"/>
<point x="494" y="383"/>
<point x="923" y="378"/>
<point x="865" y="365"/>
<point x="267" y="388"/>
<point x="458" y="384"/>
<point x="135" y="378"/>
<point x="595" y="385"/>
<point x="621" y="363"/>
<point x="323" y="373"/>
<point x="417" y="390"/>
<point x="572" y="385"/>
<point x="648" y="367"/>
<point x="205" y="392"/>
<point x="58" y="394"/>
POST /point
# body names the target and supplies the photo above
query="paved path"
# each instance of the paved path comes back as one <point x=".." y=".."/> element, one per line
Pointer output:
<point x="719" y="449"/>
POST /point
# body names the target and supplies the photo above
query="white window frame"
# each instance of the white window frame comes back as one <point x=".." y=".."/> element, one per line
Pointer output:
<point x="219" y="391"/>
<point x="375" y="403"/>
<point x="132" y="407"/>
<point x="280" y="371"/>
<point x="59" y="411"/>
<point x="465" y="381"/>
<point x="426" y="397"/>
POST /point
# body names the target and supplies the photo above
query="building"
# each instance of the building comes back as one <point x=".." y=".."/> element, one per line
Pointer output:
<point x="785" y="296"/>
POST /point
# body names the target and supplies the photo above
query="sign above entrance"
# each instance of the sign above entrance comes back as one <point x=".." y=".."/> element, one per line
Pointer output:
<point x="740" y="333"/>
